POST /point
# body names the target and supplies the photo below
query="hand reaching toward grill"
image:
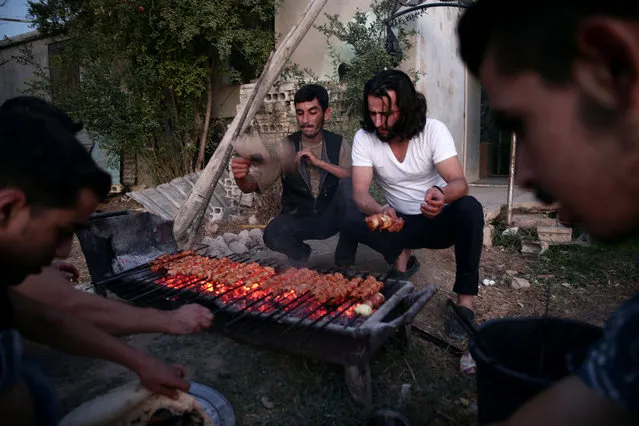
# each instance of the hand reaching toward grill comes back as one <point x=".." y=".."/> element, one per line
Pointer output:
<point x="189" y="319"/>
<point x="161" y="378"/>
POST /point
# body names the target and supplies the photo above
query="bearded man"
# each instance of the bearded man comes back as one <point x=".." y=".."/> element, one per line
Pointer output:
<point x="414" y="161"/>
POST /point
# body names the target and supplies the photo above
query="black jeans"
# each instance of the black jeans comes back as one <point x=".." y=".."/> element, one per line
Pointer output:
<point x="460" y="224"/>
<point x="287" y="233"/>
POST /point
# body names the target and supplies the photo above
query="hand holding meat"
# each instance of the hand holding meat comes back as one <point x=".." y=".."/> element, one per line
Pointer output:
<point x="189" y="319"/>
<point x="385" y="222"/>
<point x="433" y="203"/>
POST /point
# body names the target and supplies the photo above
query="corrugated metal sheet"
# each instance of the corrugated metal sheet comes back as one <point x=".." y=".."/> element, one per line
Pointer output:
<point x="165" y="200"/>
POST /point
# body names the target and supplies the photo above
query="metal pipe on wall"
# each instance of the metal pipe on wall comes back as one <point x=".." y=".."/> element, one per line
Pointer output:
<point x="511" y="180"/>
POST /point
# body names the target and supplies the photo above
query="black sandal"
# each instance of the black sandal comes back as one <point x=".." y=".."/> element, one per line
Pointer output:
<point x="411" y="268"/>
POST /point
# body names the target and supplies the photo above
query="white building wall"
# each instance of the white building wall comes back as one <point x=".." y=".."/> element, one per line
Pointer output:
<point x="13" y="75"/>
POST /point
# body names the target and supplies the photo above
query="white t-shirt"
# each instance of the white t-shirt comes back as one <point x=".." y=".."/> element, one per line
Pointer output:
<point x="405" y="184"/>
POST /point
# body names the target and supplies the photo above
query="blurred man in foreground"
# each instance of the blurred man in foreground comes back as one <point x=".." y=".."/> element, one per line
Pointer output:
<point x="52" y="285"/>
<point x="49" y="185"/>
<point x="564" y="76"/>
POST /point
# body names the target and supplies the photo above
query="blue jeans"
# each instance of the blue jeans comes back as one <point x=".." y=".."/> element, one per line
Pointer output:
<point x="14" y="368"/>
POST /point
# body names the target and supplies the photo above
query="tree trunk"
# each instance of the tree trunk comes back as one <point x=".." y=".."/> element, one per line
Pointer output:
<point x="190" y="216"/>
<point x="207" y="121"/>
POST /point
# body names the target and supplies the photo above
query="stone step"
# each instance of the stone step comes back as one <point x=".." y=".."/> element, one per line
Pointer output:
<point x="531" y="221"/>
<point x="554" y="234"/>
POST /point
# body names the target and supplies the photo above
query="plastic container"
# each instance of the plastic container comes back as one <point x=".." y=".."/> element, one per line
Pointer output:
<point x="519" y="357"/>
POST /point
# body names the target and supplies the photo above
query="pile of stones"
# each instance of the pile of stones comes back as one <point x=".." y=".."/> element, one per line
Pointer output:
<point x="229" y="243"/>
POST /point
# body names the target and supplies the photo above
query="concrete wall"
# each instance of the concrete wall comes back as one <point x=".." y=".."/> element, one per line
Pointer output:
<point x="14" y="76"/>
<point x="473" y="128"/>
<point x="443" y="77"/>
<point x="312" y="52"/>
<point x="225" y="99"/>
<point x="453" y="96"/>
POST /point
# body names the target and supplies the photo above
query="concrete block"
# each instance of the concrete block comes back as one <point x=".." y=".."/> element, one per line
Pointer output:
<point x="554" y="234"/>
<point x="116" y="189"/>
<point x="530" y="221"/>
<point x="534" y="248"/>
<point x="488" y="235"/>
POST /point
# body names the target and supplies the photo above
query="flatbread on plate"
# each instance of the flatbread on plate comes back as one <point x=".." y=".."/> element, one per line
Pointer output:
<point x="155" y="409"/>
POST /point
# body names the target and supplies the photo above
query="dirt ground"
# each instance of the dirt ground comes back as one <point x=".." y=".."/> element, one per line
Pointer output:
<point x="273" y="388"/>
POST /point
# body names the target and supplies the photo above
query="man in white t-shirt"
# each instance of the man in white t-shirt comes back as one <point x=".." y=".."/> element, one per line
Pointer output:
<point x="414" y="161"/>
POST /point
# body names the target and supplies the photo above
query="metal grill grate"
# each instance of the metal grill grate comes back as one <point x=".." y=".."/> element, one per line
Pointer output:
<point x="299" y="325"/>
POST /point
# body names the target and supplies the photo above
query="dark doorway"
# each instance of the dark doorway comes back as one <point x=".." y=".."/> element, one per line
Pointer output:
<point x="495" y="144"/>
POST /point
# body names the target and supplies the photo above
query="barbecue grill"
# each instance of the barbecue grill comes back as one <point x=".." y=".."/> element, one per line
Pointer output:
<point x="296" y="324"/>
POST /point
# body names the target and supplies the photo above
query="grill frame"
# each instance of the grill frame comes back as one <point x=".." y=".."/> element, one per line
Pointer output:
<point x="324" y="340"/>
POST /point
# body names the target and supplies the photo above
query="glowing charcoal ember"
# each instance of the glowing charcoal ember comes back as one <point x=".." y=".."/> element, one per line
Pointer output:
<point x="300" y="293"/>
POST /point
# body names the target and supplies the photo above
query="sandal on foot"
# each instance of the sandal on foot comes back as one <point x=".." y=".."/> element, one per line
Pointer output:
<point x="453" y="328"/>
<point x="411" y="268"/>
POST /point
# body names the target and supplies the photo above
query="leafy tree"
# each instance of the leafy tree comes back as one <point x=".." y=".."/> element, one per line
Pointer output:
<point x="369" y="39"/>
<point x="147" y="69"/>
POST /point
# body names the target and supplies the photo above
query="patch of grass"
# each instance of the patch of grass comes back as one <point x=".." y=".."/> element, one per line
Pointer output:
<point x="304" y="391"/>
<point x="512" y="241"/>
<point x="591" y="264"/>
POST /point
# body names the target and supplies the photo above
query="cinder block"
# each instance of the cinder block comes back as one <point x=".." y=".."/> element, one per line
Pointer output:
<point x="554" y="234"/>
<point x="530" y="221"/>
<point x="116" y="188"/>
<point x="488" y="235"/>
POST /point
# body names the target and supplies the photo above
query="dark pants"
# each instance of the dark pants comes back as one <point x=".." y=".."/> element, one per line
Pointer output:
<point x="13" y="368"/>
<point x="460" y="224"/>
<point x="287" y="232"/>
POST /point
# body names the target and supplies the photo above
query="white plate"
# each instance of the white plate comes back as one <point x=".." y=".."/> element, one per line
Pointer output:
<point x="214" y="404"/>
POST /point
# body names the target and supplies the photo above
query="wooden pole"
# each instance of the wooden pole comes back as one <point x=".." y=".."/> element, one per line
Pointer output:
<point x="189" y="218"/>
<point x="511" y="180"/>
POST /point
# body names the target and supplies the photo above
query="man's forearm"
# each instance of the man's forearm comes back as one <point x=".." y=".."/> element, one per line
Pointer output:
<point x="119" y="318"/>
<point x="52" y="288"/>
<point x="337" y="171"/>
<point x="52" y="327"/>
<point x="454" y="190"/>
<point x="367" y="204"/>
<point x="247" y="184"/>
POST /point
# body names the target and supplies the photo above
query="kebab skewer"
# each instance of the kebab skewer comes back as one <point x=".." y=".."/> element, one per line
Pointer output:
<point x="384" y="222"/>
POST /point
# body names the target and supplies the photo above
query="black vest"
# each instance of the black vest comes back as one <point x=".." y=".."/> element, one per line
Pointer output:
<point x="297" y="197"/>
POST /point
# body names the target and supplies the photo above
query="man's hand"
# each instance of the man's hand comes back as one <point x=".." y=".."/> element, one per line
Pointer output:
<point x="307" y="155"/>
<point x="433" y="203"/>
<point x="240" y="167"/>
<point x="70" y="271"/>
<point x="390" y="212"/>
<point x="161" y="378"/>
<point x="189" y="319"/>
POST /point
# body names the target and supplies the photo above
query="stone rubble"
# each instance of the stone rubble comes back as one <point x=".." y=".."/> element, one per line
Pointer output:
<point x="229" y="243"/>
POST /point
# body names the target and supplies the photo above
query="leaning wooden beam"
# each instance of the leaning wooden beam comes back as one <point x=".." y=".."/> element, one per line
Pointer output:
<point x="189" y="218"/>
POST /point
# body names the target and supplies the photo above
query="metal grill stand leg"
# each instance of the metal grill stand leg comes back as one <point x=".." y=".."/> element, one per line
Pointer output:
<point x="405" y="336"/>
<point x="359" y="383"/>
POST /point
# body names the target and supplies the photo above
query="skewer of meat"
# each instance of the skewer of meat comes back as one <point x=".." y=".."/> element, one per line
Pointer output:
<point x="384" y="222"/>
